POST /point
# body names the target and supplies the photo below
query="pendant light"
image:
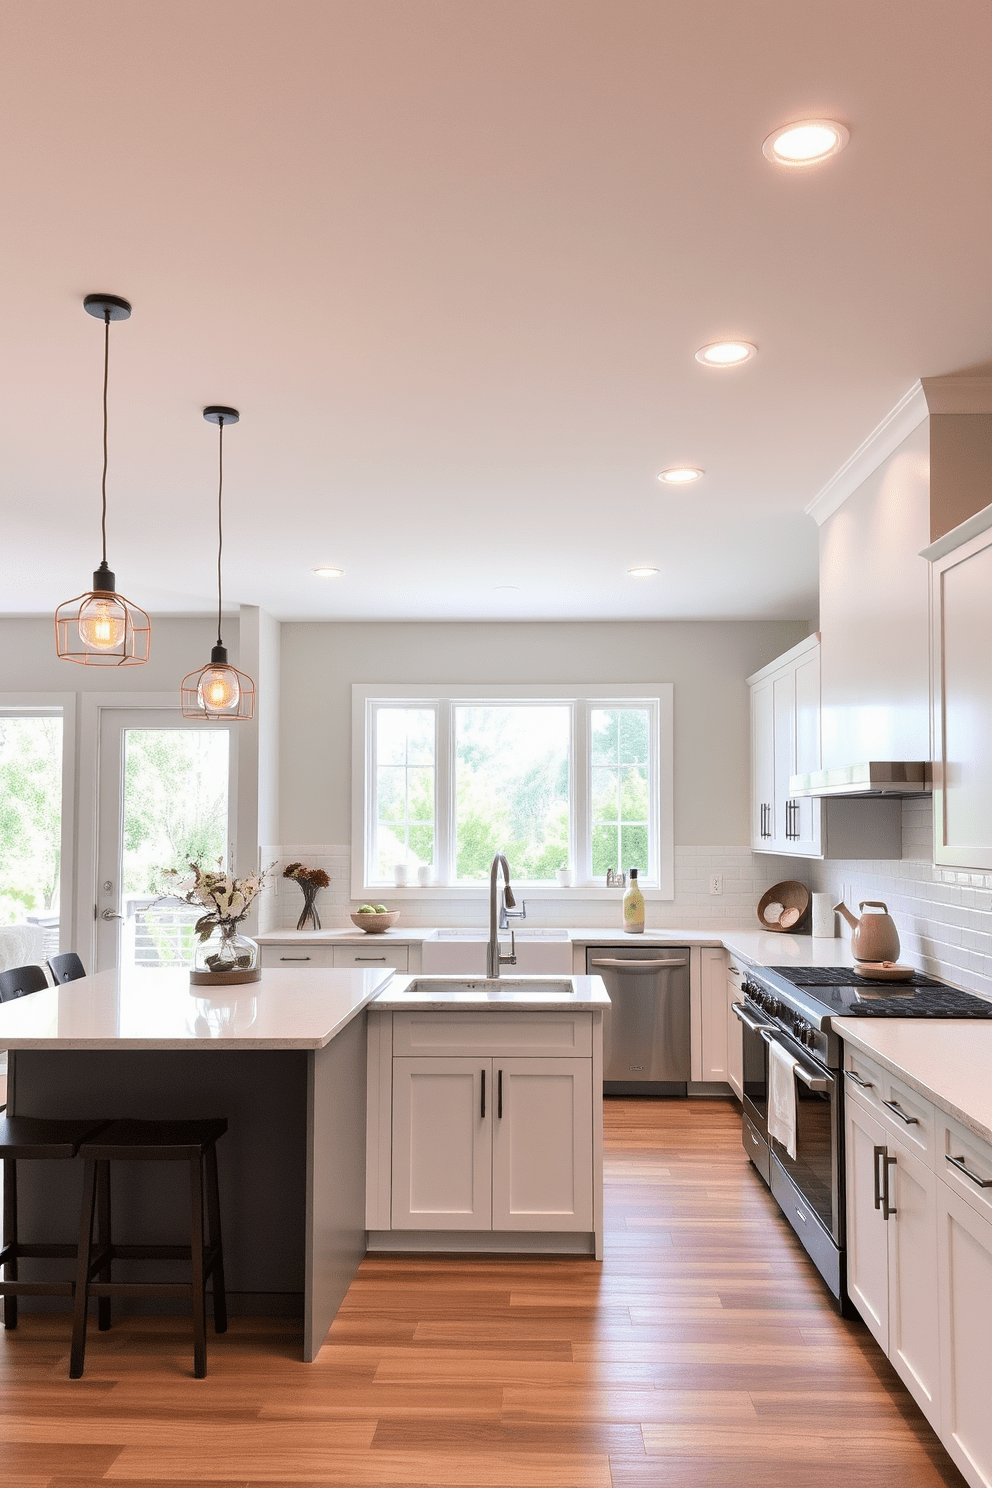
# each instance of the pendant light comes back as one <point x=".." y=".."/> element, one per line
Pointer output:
<point x="101" y="627"/>
<point x="219" y="690"/>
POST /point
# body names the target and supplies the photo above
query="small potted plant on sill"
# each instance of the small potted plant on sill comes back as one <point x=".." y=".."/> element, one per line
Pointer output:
<point x="311" y="881"/>
<point x="564" y="876"/>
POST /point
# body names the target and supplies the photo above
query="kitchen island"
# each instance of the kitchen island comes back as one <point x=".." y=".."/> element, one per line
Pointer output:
<point x="284" y="1059"/>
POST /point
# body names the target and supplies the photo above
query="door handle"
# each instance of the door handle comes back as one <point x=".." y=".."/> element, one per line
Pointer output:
<point x="111" y="914"/>
<point x="864" y="1084"/>
<point x="499" y="1095"/>
<point x="887" y="1208"/>
<point x="370" y="958"/>
<point x="748" y="1023"/>
<point x="962" y="1167"/>
<point x="294" y="958"/>
<point x="897" y="1110"/>
<point x="483" y="1111"/>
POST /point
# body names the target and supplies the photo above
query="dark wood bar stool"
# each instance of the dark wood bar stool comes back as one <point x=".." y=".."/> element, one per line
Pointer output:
<point x="20" y="981"/>
<point x="33" y="1138"/>
<point x="192" y="1142"/>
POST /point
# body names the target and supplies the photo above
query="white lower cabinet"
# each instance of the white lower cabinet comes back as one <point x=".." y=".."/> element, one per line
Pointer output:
<point x="735" y="1030"/>
<point x="501" y="1143"/>
<point x="892" y="1250"/>
<point x="964" y="1283"/>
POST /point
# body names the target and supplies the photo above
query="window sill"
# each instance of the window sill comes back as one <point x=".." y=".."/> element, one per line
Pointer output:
<point x="479" y="893"/>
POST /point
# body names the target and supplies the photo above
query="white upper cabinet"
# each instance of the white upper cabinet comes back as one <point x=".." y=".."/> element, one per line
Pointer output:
<point x="785" y="741"/>
<point x="961" y="607"/>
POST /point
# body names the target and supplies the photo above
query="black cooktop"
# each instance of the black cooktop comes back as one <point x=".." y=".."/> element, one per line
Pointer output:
<point x="842" y="992"/>
<point x="843" y="976"/>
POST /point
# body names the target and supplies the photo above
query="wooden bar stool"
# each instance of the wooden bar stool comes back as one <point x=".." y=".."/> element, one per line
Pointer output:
<point x="32" y="1138"/>
<point x="192" y="1142"/>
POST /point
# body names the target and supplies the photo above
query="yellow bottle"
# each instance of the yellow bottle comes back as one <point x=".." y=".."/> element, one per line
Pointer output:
<point x="633" y="907"/>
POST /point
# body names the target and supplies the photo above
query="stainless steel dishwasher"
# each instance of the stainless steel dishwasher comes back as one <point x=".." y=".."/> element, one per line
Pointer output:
<point x="646" y="1028"/>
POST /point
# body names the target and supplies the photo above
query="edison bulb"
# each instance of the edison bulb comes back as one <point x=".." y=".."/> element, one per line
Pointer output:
<point x="218" y="690"/>
<point x="102" y="623"/>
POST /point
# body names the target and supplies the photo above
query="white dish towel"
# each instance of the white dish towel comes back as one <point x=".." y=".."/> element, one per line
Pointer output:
<point x="782" y="1097"/>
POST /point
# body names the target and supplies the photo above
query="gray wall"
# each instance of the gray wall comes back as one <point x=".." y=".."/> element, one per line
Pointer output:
<point x="707" y="662"/>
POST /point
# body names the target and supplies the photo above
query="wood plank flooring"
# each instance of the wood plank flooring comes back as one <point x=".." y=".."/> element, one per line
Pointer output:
<point x="701" y="1353"/>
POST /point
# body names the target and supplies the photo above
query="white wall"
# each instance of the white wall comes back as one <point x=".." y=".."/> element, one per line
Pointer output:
<point x="28" y="662"/>
<point x="707" y="662"/>
<point x="874" y="654"/>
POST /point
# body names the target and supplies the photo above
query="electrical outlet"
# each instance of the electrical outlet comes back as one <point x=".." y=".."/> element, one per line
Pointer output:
<point x="716" y="883"/>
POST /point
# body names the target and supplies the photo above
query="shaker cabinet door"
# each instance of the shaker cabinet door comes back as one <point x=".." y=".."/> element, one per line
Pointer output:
<point x="867" y="1240"/>
<point x="542" y="1144"/>
<point x="442" y="1144"/>
<point x="964" y="1283"/>
<point x="913" y="1347"/>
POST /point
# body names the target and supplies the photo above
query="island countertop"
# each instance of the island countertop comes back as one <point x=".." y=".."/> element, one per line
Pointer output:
<point x="159" y="1009"/>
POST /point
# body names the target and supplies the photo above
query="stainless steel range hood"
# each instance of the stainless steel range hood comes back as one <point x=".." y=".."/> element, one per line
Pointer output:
<point x="874" y="778"/>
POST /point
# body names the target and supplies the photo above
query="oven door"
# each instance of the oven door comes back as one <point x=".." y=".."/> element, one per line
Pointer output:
<point x="815" y="1170"/>
<point x="753" y="1025"/>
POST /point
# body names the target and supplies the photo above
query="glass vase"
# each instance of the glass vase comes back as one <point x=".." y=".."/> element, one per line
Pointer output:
<point x="309" y="917"/>
<point x="225" y="958"/>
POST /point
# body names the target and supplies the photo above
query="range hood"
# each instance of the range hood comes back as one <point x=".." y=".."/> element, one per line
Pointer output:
<point x="874" y="778"/>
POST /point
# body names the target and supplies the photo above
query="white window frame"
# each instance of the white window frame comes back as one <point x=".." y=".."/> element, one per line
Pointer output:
<point x="57" y="705"/>
<point x="657" y="696"/>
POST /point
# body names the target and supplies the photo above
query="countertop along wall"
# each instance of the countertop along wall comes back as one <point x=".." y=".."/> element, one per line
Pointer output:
<point x="706" y="661"/>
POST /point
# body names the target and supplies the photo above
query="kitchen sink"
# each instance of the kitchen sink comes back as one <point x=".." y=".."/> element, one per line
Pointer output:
<point x="485" y="986"/>
<point x="470" y="933"/>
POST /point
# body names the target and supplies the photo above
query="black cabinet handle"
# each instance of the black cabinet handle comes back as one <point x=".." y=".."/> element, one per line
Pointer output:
<point x="499" y="1095"/>
<point x="370" y="958"/>
<point x="483" y="1112"/>
<point x="879" y="1153"/>
<point x="887" y="1208"/>
<point x="294" y="958"/>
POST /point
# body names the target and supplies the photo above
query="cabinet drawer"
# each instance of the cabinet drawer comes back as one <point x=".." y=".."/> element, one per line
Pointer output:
<point x="366" y="957"/>
<point x="954" y="1140"/>
<point x="908" y="1116"/>
<point x="498" y="1033"/>
<point x="863" y="1078"/>
<point x="298" y="957"/>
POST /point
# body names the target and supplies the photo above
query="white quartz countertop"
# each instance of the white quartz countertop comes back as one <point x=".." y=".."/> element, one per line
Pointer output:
<point x="947" y="1060"/>
<point x="762" y="947"/>
<point x="160" y="1010"/>
<point x="522" y="994"/>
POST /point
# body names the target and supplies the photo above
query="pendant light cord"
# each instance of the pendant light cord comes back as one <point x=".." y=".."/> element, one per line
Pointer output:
<point x="220" y="519"/>
<point x="106" y="375"/>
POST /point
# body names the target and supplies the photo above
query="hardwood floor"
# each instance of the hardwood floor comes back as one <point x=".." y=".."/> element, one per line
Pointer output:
<point x="701" y="1353"/>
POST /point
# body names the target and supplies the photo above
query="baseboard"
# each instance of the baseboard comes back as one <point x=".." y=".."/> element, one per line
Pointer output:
<point x="484" y="1242"/>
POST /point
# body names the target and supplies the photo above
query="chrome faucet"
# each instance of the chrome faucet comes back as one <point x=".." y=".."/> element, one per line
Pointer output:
<point x="506" y="915"/>
<point x="493" y="958"/>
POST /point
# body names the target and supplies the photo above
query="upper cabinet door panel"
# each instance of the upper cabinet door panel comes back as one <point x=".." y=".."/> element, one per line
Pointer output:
<point x="762" y="765"/>
<point x="962" y="614"/>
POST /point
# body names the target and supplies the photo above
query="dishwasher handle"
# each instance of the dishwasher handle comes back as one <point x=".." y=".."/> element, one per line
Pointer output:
<point x="616" y="963"/>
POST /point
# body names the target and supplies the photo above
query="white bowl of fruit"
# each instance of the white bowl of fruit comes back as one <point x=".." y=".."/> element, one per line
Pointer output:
<point x="375" y="919"/>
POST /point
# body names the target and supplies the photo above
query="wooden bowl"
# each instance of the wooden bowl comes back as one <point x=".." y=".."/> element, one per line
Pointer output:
<point x="791" y="895"/>
<point x="376" y="924"/>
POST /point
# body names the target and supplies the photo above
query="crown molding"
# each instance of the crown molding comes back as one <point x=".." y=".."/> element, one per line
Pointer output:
<point x="897" y="424"/>
<point x="958" y="394"/>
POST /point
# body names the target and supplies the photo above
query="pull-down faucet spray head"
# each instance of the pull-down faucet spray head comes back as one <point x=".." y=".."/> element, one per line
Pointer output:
<point x="508" y="898"/>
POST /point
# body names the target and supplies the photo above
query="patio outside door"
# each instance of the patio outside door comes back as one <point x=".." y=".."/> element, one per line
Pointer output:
<point x="164" y="801"/>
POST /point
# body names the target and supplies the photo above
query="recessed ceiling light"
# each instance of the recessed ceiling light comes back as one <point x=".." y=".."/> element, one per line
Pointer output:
<point x="681" y="475"/>
<point x="506" y="586"/>
<point x="329" y="573"/>
<point x="726" y="353"/>
<point x="805" y="142"/>
<point x="642" y="572"/>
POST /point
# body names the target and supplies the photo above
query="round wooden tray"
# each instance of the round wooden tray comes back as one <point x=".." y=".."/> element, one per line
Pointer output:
<point x="791" y="895"/>
<point x="224" y="978"/>
<point x="879" y="971"/>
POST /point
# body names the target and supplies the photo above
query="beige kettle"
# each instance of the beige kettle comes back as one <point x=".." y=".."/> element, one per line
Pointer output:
<point x="874" y="937"/>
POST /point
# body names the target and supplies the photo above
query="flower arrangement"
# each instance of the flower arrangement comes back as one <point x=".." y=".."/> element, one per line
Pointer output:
<point x="225" y="900"/>
<point x="310" y="880"/>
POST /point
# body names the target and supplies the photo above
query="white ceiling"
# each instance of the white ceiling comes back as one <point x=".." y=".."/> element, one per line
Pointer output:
<point x="452" y="261"/>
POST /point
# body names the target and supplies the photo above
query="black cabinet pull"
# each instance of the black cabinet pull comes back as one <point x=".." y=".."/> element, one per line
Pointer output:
<point x="483" y="1093"/>
<point x="499" y="1095"/>
<point x="879" y="1153"/>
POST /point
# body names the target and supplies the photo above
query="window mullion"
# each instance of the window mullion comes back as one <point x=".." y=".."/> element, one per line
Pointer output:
<point x="580" y="790"/>
<point x="444" y="794"/>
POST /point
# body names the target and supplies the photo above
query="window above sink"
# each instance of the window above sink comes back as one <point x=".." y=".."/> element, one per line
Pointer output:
<point x="553" y="776"/>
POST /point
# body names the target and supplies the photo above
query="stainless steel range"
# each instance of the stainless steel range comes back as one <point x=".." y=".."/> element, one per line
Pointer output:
<point x="792" y="1006"/>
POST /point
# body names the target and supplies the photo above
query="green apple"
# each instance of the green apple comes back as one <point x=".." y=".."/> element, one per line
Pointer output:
<point x="367" y="909"/>
<point x="381" y="909"/>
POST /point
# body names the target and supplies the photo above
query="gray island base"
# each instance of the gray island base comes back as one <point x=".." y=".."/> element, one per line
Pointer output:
<point x="285" y="1062"/>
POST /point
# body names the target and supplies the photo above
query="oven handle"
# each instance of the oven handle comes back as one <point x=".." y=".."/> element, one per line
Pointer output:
<point x="754" y="1027"/>
<point x="813" y="1081"/>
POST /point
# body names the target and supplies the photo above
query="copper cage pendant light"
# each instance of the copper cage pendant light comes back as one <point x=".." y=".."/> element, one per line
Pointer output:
<point x="218" y="690"/>
<point x="101" y="627"/>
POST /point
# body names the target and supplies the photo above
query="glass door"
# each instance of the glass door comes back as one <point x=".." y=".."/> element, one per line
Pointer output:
<point x="165" y="801"/>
